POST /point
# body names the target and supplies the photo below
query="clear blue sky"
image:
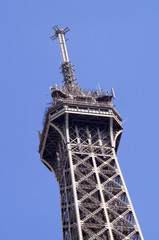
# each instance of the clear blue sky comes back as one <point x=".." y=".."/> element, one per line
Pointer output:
<point x="113" y="43"/>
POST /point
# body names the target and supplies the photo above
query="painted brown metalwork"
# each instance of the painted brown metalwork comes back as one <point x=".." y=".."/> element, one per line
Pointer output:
<point x="78" y="144"/>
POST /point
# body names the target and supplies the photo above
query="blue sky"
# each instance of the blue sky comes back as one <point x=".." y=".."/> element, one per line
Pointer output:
<point x="113" y="43"/>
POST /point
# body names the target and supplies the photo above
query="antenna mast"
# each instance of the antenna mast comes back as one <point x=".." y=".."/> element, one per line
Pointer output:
<point x="67" y="67"/>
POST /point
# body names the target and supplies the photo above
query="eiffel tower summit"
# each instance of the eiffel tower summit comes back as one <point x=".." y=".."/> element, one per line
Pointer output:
<point x="79" y="143"/>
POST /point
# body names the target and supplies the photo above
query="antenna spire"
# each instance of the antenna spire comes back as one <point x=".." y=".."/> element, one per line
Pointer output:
<point x="67" y="68"/>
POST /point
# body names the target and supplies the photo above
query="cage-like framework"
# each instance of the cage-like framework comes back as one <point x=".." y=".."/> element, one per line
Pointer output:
<point x="79" y="144"/>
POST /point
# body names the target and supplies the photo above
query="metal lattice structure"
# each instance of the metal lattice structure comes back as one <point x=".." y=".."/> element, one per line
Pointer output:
<point x="78" y="144"/>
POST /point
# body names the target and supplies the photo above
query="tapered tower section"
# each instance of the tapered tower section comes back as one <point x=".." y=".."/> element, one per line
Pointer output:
<point x="78" y="144"/>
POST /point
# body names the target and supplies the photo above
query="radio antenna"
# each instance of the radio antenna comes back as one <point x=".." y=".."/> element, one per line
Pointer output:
<point x="67" y="67"/>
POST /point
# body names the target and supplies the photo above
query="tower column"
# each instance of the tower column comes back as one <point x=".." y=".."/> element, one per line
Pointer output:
<point x="73" y="179"/>
<point x="121" y="175"/>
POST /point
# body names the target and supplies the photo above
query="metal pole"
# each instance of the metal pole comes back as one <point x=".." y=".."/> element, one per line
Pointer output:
<point x="63" y="48"/>
<point x="73" y="179"/>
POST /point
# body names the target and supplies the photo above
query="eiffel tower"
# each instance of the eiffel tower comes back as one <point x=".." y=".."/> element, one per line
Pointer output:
<point x="79" y="142"/>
